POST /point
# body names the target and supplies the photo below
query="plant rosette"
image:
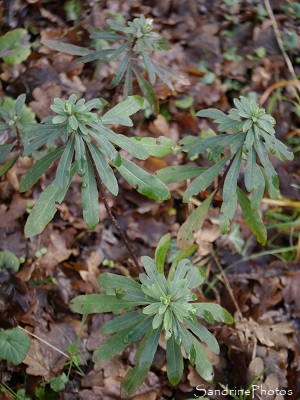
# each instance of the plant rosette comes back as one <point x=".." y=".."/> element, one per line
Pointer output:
<point x="161" y="306"/>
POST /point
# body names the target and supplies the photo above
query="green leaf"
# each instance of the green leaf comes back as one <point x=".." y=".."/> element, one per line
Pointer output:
<point x="5" y="149"/>
<point x="58" y="384"/>
<point x="104" y="170"/>
<point x="157" y="147"/>
<point x="143" y="182"/>
<point x="204" y="180"/>
<point x="96" y="55"/>
<point x="8" y="164"/>
<point x="44" y="209"/>
<point x="259" y="188"/>
<point x="164" y="74"/>
<point x="63" y="169"/>
<point x="135" y="377"/>
<point x="89" y="197"/>
<point x="113" y="281"/>
<point x="193" y="223"/>
<point x="80" y="156"/>
<point x="14" y="42"/>
<point x="229" y="189"/>
<point x="139" y="330"/>
<point x="20" y="102"/>
<point x="174" y="361"/>
<point x="120" y="113"/>
<point x="252" y="217"/>
<point x="112" y="346"/>
<point x="203" y="334"/>
<point x="250" y="170"/>
<point x="219" y="313"/>
<point x="149" y="68"/>
<point x="148" y="92"/>
<point x="66" y="47"/>
<point x="96" y="303"/>
<point x="14" y="345"/>
<point x="185" y="102"/>
<point x="119" y="51"/>
<point x="131" y="145"/>
<point x="107" y="147"/>
<point x="127" y="91"/>
<point x="214" y="113"/>
<point x="127" y="320"/>
<point x="121" y="70"/>
<point x="161" y="252"/>
<point x="202" y="364"/>
<point x="178" y="173"/>
<point x="39" y="168"/>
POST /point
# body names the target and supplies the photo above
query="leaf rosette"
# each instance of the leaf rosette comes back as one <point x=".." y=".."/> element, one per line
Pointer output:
<point x="251" y="140"/>
<point x="90" y="147"/>
<point x="164" y="306"/>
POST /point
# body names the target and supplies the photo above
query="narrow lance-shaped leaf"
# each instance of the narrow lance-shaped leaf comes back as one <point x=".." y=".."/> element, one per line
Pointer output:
<point x="112" y="346"/>
<point x="219" y="313"/>
<point x="204" y="180"/>
<point x="104" y="170"/>
<point x="157" y="147"/>
<point x="127" y="91"/>
<point x="143" y="182"/>
<point x="252" y="217"/>
<point x="136" y="376"/>
<point x="63" y="170"/>
<point x="178" y="173"/>
<point x="96" y="303"/>
<point x="174" y="361"/>
<point x="8" y="164"/>
<point x="149" y="68"/>
<point x="80" y="156"/>
<point x="20" y="103"/>
<point x="131" y="145"/>
<point x="66" y="47"/>
<point x="89" y="197"/>
<point x="121" y="322"/>
<point x="5" y="149"/>
<point x="39" y="168"/>
<point x="192" y="225"/>
<point x="120" y="113"/>
<point x="259" y="188"/>
<point x="44" y="209"/>
<point x="229" y="189"/>
<point x="113" y="281"/>
<point x="203" y="334"/>
<point x="161" y="252"/>
<point x="121" y="70"/>
<point x="147" y="91"/>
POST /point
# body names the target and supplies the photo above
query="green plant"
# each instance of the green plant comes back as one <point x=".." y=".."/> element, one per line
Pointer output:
<point x="165" y="306"/>
<point x="14" y="345"/>
<point x="78" y="127"/>
<point x="134" y="42"/>
<point x="252" y="138"/>
<point x="14" y="47"/>
<point x="15" y="117"/>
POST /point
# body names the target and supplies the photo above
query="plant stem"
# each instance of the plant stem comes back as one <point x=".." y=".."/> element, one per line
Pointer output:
<point x="113" y="219"/>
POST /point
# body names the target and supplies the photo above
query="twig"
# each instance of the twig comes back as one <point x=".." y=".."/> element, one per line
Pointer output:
<point x="280" y="42"/>
<point x="113" y="219"/>
<point x="43" y="341"/>
<point x="227" y="284"/>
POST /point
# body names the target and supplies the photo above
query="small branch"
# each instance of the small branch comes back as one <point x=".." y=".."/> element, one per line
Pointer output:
<point x="113" y="219"/>
<point x="280" y="43"/>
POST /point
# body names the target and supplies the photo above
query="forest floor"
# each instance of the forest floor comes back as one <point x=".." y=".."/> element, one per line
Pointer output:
<point x="219" y="50"/>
